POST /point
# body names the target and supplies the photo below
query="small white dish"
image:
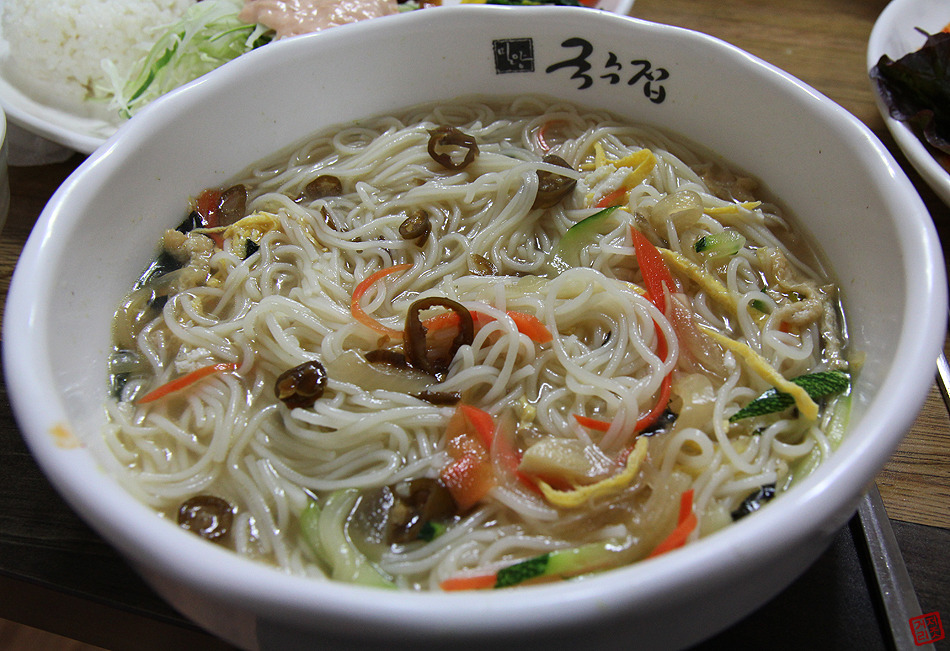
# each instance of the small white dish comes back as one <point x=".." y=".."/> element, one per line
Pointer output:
<point x="895" y="34"/>
<point x="67" y="129"/>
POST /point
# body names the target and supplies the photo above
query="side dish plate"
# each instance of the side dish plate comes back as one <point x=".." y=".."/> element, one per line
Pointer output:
<point x="85" y="134"/>
<point x="895" y="34"/>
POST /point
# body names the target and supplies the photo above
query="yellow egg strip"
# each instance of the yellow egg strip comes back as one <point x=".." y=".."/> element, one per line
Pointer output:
<point x="642" y="158"/>
<point x="719" y="292"/>
<point x="615" y="484"/>
<point x="807" y="406"/>
<point x="641" y="164"/>
<point x="600" y="158"/>
<point x="255" y="224"/>
<point x="732" y="208"/>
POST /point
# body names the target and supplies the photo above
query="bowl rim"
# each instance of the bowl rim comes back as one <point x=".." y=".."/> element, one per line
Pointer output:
<point x="193" y="562"/>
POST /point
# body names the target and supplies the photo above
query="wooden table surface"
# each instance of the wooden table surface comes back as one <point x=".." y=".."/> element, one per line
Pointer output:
<point x="58" y="575"/>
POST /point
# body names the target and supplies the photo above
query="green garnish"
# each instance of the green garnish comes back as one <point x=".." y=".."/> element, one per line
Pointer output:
<point x="717" y="245"/>
<point x="817" y="385"/>
<point x="431" y="530"/>
<point x="566" y="253"/>
<point x="523" y="571"/>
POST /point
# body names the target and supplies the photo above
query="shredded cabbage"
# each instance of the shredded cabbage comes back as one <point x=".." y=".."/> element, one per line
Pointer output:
<point x="206" y="37"/>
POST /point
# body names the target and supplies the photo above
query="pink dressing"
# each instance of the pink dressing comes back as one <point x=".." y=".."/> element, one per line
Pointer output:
<point x="293" y="17"/>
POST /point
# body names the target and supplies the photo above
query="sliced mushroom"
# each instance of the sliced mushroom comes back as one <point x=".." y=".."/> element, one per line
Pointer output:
<point x="553" y="187"/>
<point x="445" y="144"/>
<point x="416" y="226"/>
<point x="208" y="516"/>
<point x="482" y="266"/>
<point x="302" y="385"/>
<point x="233" y="204"/>
<point x="417" y="348"/>
<point x="401" y="513"/>
<point x="324" y="185"/>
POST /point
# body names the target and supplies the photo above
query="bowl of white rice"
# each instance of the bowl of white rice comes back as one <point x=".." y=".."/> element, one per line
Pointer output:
<point x="51" y="58"/>
<point x="59" y="351"/>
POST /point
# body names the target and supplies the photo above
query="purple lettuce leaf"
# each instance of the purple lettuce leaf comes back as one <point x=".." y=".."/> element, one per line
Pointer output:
<point x="916" y="89"/>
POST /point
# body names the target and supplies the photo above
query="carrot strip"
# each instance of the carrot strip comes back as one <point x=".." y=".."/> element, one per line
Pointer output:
<point x="476" y="582"/>
<point x="686" y="506"/>
<point x="356" y="309"/>
<point x="527" y="324"/>
<point x="592" y="423"/>
<point x="185" y="380"/>
<point x="644" y="421"/>
<point x="664" y="399"/>
<point x="450" y="319"/>
<point x="651" y="416"/>
<point x="655" y="272"/>
<point x="687" y="522"/>
<point x="530" y="325"/>
<point x="612" y="199"/>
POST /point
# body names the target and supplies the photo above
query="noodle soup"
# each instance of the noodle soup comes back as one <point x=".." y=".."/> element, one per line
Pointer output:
<point x="478" y="344"/>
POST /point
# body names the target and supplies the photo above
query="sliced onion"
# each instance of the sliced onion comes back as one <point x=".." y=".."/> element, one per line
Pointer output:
<point x="352" y="368"/>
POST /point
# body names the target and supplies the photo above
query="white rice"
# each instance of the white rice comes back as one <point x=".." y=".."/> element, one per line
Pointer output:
<point x="56" y="47"/>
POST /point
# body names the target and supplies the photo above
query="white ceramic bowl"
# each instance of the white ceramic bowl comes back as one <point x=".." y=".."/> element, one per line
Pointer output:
<point x="101" y="228"/>
<point x="4" y="172"/>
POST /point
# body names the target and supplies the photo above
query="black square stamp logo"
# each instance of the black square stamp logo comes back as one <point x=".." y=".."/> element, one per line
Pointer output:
<point x="513" y="55"/>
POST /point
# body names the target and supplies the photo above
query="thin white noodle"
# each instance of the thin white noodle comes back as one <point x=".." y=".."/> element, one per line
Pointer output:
<point x="289" y="302"/>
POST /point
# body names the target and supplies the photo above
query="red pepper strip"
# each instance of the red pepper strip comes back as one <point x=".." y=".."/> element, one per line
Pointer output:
<point x="470" y="476"/>
<point x="469" y="479"/>
<point x="357" y="311"/>
<point x="208" y="205"/>
<point x="612" y="199"/>
<point x="686" y="523"/>
<point x="185" y="380"/>
<point x="481" y="422"/>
